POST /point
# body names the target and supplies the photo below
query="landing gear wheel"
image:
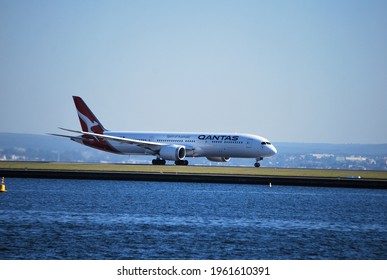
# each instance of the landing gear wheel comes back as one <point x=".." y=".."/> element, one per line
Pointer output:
<point x="181" y="162"/>
<point x="158" y="161"/>
<point x="257" y="164"/>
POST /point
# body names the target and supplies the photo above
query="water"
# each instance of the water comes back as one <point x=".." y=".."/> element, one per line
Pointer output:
<point x="75" y="219"/>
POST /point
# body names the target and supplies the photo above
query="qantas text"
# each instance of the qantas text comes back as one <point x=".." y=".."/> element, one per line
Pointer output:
<point x="218" y="137"/>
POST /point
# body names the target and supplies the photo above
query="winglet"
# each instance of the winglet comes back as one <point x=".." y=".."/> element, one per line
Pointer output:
<point x="88" y="120"/>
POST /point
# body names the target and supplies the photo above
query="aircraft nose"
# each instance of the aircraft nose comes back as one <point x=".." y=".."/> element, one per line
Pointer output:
<point x="273" y="150"/>
<point x="268" y="149"/>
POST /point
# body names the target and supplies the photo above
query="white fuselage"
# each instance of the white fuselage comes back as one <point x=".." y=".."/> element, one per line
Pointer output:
<point x="199" y="144"/>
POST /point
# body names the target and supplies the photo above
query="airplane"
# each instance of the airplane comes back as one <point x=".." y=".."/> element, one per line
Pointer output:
<point x="171" y="146"/>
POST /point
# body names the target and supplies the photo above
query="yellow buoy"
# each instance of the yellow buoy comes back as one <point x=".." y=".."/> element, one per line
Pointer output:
<point x="2" y="187"/>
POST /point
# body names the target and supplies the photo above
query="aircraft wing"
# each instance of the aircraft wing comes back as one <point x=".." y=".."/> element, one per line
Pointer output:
<point x="144" y="144"/>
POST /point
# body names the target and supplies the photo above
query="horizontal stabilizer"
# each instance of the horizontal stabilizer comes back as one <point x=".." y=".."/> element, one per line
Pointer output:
<point x="66" y="136"/>
<point x="74" y="138"/>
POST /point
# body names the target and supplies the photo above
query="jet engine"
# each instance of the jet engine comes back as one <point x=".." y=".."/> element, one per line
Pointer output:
<point x="173" y="152"/>
<point x="219" y="159"/>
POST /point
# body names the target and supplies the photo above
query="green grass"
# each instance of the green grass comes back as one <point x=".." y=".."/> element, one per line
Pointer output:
<point x="293" y="172"/>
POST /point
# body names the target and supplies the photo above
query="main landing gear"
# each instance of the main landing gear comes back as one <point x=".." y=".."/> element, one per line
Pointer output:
<point x="181" y="162"/>
<point x="257" y="164"/>
<point x="159" y="161"/>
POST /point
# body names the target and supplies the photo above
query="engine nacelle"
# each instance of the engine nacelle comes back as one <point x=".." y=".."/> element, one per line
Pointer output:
<point x="173" y="152"/>
<point x="219" y="159"/>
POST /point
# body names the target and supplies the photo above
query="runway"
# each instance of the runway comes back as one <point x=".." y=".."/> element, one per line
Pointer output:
<point x="198" y="174"/>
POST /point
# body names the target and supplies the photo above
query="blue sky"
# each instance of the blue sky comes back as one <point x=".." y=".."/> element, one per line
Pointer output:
<point x="294" y="71"/>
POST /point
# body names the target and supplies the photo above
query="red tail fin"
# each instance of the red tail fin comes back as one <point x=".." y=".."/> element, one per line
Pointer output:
<point x="88" y="120"/>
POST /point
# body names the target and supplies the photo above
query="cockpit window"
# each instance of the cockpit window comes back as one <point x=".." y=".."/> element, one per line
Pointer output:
<point x="265" y="143"/>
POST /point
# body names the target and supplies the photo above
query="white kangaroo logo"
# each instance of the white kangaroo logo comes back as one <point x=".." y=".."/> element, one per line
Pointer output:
<point x="88" y="122"/>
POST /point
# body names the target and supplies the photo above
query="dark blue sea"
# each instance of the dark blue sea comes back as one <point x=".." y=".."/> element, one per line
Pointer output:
<point x="81" y="219"/>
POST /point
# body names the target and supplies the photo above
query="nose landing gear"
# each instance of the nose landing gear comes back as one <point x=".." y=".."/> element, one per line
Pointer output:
<point x="257" y="164"/>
